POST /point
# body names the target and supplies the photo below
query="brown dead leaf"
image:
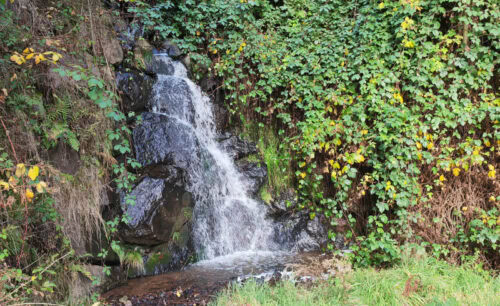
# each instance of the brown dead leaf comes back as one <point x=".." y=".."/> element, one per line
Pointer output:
<point x="14" y="76"/>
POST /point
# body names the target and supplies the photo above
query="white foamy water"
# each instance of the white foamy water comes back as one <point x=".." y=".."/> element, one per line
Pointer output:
<point x="226" y="219"/>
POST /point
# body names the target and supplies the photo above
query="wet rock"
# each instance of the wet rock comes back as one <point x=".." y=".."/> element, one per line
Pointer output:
<point x="236" y="147"/>
<point x="299" y="232"/>
<point x="143" y="53"/>
<point x="163" y="140"/>
<point x="284" y="204"/>
<point x="64" y="158"/>
<point x="171" y="49"/>
<point x="135" y="88"/>
<point x="172" y="255"/>
<point x="159" y="206"/>
<point x="160" y="65"/>
<point x="221" y="117"/>
<point x="254" y="173"/>
<point x="172" y="97"/>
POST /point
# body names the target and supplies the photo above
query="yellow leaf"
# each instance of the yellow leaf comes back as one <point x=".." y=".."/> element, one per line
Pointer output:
<point x="430" y="145"/>
<point x="28" y="50"/>
<point x="492" y="174"/>
<point x="30" y="56"/>
<point x="12" y="181"/>
<point x="18" y="59"/>
<point x="456" y="171"/>
<point x="29" y="194"/>
<point x="33" y="278"/>
<point x="33" y="173"/>
<point x="39" y="58"/>
<point x="419" y="145"/>
<point x="302" y="164"/>
<point x="40" y="187"/>
<point x="336" y="165"/>
<point x="56" y="57"/>
<point x="303" y="175"/>
<point x="364" y="132"/>
<point x="4" y="185"/>
<point x="442" y="178"/>
<point x="20" y="170"/>
<point x="492" y="199"/>
<point x="381" y="5"/>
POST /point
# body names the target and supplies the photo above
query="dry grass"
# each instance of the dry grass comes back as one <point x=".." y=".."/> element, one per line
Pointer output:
<point x="453" y="206"/>
<point x="79" y="202"/>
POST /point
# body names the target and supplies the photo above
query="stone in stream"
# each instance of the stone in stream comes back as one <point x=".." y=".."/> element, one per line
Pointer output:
<point x="159" y="209"/>
<point x="135" y="88"/>
<point x="163" y="140"/>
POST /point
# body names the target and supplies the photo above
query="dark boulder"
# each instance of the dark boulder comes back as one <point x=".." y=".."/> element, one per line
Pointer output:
<point x="159" y="206"/>
<point x="236" y="147"/>
<point x="255" y="174"/>
<point x="163" y="140"/>
<point x="171" y="49"/>
<point x="135" y="88"/>
<point x="300" y="233"/>
<point x="296" y="229"/>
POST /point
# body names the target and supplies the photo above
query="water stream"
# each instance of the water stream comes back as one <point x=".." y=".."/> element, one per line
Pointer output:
<point x="232" y="233"/>
<point x="226" y="219"/>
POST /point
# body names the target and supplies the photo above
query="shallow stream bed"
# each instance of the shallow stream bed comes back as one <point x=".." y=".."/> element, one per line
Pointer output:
<point x="199" y="283"/>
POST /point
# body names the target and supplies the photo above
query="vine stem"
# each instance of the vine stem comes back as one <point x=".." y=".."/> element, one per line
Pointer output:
<point x="10" y="141"/>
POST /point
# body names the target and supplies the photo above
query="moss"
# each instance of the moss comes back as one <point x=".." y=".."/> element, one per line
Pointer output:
<point x="265" y="194"/>
<point x="160" y="256"/>
<point x="253" y="158"/>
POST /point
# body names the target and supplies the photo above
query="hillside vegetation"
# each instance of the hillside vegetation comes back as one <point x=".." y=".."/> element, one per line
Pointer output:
<point x="388" y="111"/>
<point x="381" y="116"/>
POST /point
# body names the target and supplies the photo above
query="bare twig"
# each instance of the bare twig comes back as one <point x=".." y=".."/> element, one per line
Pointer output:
<point x="10" y="141"/>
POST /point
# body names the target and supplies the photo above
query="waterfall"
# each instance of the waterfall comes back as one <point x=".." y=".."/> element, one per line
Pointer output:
<point x="225" y="219"/>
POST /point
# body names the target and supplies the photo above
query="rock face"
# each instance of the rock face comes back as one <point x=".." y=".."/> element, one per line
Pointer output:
<point x="236" y="147"/>
<point x="254" y="173"/>
<point x="296" y="229"/>
<point x="160" y="65"/>
<point x="161" y="140"/>
<point x="135" y="88"/>
<point x="159" y="206"/>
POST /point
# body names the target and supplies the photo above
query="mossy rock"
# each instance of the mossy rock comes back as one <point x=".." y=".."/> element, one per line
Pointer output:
<point x="160" y="257"/>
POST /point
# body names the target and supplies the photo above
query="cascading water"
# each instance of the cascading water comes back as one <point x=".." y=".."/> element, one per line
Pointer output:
<point x="226" y="219"/>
